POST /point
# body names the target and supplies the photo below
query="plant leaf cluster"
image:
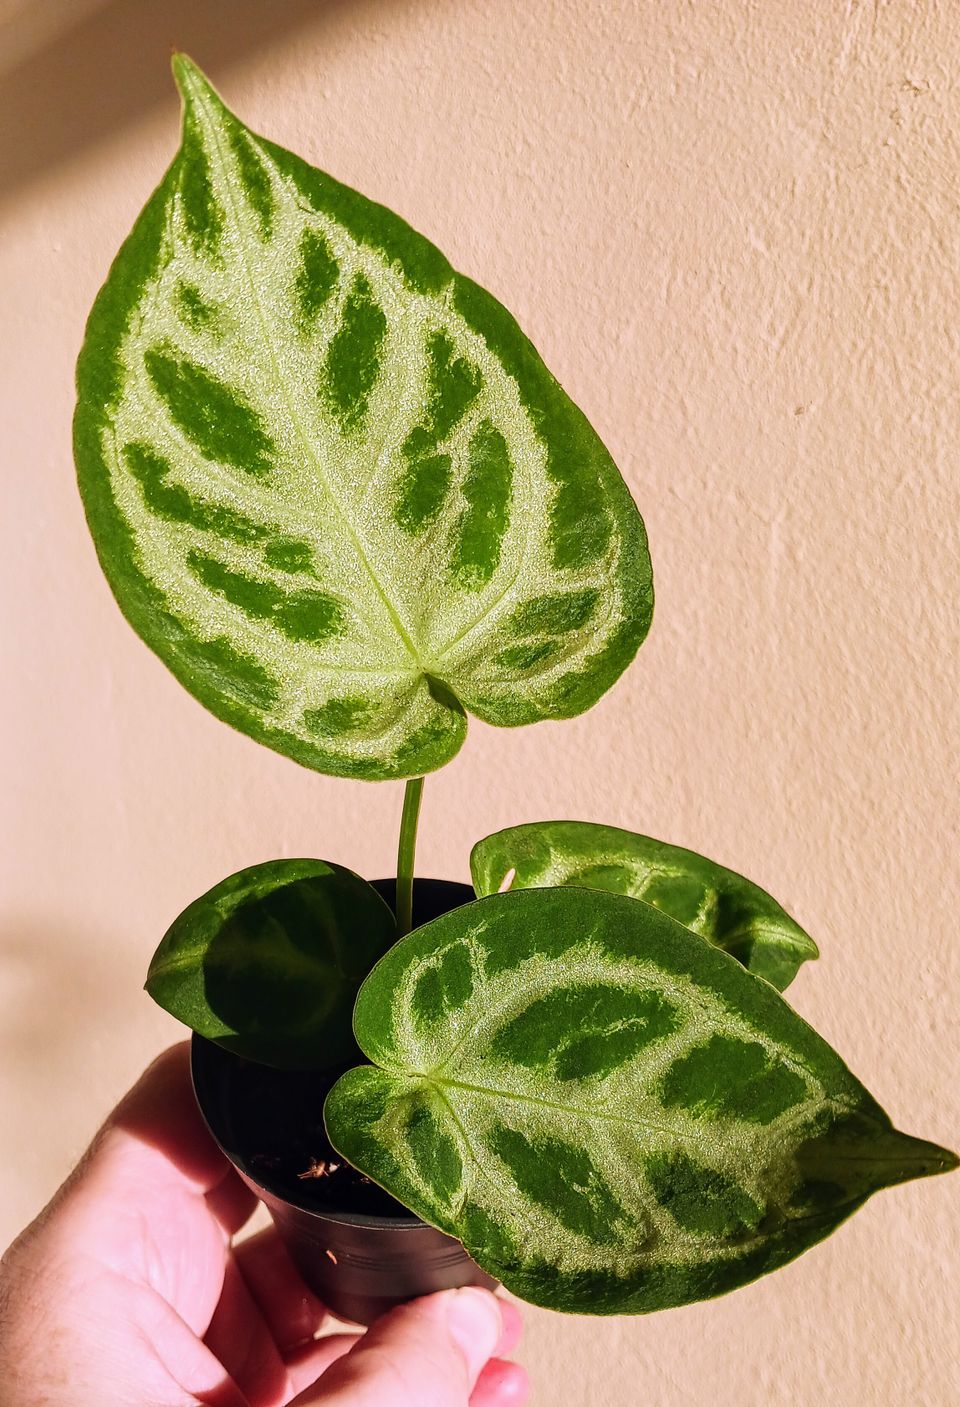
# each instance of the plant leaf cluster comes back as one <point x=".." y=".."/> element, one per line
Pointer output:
<point x="334" y="487"/>
<point x="611" y="1110"/>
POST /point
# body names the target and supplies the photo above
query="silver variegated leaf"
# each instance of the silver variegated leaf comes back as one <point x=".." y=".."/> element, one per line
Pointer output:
<point x="719" y="904"/>
<point x="611" y="1114"/>
<point x="330" y="482"/>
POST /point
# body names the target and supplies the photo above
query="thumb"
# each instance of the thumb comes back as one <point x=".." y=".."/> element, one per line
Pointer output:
<point x="428" y="1353"/>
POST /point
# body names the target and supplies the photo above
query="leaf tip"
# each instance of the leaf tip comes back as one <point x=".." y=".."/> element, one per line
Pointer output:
<point x="862" y="1157"/>
<point x="910" y="1158"/>
<point x="184" y="70"/>
<point x="807" y="950"/>
<point x="933" y="1158"/>
<point x="919" y="1158"/>
<point x="191" y="81"/>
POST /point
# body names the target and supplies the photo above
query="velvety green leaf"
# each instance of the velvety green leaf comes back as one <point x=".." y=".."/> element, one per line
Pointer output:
<point x="707" y="898"/>
<point x="330" y="482"/>
<point x="269" y="961"/>
<point x="610" y="1113"/>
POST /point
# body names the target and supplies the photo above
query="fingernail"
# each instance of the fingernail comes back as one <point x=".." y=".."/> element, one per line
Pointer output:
<point x="474" y="1323"/>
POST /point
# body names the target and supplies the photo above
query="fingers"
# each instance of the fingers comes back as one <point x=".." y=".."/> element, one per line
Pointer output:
<point x="159" y="1125"/>
<point x="501" y="1384"/>
<point x="239" y="1338"/>
<point x="160" y="1113"/>
<point x="156" y="1137"/>
<point x="307" y="1363"/>
<point x="512" y="1326"/>
<point x="231" y="1203"/>
<point x="292" y="1312"/>
<point x="153" y="1151"/>
<point x="429" y="1353"/>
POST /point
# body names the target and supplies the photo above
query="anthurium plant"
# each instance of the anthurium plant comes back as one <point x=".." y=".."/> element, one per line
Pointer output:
<point x="337" y="491"/>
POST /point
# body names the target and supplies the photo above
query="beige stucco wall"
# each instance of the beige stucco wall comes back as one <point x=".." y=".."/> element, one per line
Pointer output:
<point x="733" y="230"/>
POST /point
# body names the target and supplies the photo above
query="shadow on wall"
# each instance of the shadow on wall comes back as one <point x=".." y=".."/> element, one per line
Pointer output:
<point x="74" y="1028"/>
<point x="103" y="65"/>
<point x="54" y="998"/>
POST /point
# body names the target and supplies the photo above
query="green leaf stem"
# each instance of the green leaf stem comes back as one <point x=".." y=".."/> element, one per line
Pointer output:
<point x="611" y="1114"/>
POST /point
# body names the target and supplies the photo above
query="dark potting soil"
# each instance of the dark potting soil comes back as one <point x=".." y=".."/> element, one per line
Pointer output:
<point x="277" y="1117"/>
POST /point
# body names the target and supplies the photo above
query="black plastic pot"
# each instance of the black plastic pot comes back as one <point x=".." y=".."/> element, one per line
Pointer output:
<point x="360" y="1265"/>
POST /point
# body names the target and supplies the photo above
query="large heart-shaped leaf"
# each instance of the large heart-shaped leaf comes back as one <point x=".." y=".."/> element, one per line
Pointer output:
<point x="707" y="898"/>
<point x="330" y="482"/>
<point x="610" y="1113"/>
<point x="268" y="962"/>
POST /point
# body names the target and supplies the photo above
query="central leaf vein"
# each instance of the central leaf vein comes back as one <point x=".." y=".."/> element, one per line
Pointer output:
<point x="359" y="546"/>
<point x="561" y="1106"/>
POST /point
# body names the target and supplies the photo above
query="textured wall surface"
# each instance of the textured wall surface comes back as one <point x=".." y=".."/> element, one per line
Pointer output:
<point x="733" y="230"/>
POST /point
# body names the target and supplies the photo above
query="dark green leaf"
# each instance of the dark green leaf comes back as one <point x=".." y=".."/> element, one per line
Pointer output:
<point x="611" y="1114"/>
<point x="268" y="962"/>
<point x="707" y="898"/>
<point x="330" y="481"/>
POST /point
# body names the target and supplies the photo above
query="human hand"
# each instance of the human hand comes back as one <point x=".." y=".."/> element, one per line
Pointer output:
<point x="127" y="1291"/>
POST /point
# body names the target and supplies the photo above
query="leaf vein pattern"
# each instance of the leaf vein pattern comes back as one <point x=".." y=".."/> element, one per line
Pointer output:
<point x="292" y="411"/>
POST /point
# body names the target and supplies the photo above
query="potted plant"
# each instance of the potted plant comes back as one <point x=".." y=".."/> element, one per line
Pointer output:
<point x="333" y="486"/>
